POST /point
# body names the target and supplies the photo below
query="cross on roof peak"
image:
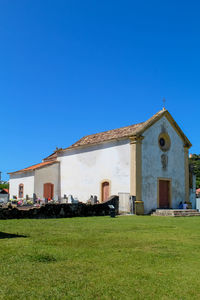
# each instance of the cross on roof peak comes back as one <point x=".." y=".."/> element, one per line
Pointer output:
<point x="164" y="103"/>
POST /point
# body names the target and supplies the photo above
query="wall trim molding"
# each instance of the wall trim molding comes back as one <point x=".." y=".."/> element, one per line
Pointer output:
<point x="136" y="167"/>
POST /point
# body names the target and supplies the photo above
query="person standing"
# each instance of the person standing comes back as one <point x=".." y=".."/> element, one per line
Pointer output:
<point x="185" y="205"/>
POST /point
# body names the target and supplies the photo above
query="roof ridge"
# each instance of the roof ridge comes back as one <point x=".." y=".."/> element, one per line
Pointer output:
<point x="114" y="129"/>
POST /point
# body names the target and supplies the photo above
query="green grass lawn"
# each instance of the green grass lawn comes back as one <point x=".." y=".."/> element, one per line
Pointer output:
<point x="128" y="257"/>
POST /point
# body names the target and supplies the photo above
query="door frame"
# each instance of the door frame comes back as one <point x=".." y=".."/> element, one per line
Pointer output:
<point x="101" y="188"/>
<point x="170" y="191"/>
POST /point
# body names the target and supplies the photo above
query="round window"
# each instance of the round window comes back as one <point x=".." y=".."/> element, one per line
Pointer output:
<point x="164" y="142"/>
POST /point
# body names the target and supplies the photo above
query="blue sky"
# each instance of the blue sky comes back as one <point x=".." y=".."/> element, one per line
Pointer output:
<point x="72" y="68"/>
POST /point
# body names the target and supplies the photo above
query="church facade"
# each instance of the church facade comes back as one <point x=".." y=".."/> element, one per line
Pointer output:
<point x="148" y="160"/>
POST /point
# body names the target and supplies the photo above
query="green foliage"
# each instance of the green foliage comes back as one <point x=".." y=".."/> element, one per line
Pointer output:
<point x="129" y="257"/>
<point x="29" y="202"/>
<point x="195" y="161"/>
<point x="4" y="186"/>
<point x="14" y="201"/>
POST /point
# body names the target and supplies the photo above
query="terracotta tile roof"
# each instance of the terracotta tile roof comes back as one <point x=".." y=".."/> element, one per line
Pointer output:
<point x="121" y="133"/>
<point x="107" y="135"/>
<point x="114" y="134"/>
<point x="4" y="190"/>
<point x="53" y="156"/>
<point x="34" y="167"/>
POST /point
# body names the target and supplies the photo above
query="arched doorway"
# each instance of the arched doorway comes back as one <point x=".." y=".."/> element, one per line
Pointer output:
<point x="48" y="190"/>
<point x="105" y="190"/>
<point x="21" y="190"/>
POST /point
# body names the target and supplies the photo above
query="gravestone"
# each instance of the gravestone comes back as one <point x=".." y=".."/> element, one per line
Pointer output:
<point x="64" y="199"/>
<point x="70" y="199"/>
<point x="75" y="200"/>
<point x="91" y="200"/>
<point x="62" y="212"/>
<point x="34" y="198"/>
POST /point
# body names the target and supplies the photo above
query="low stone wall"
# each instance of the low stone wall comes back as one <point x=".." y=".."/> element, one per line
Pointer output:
<point x="176" y="212"/>
<point x="61" y="210"/>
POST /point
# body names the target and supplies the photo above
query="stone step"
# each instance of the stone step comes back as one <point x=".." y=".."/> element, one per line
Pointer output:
<point x="189" y="215"/>
<point x="176" y="212"/>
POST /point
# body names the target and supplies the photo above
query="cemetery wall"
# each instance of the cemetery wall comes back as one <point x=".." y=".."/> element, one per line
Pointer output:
<point x="61" y="210"/>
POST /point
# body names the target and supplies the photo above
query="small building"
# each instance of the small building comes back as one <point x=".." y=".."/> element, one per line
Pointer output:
<point x="4" y="195"/>
<point x="198" y="193"/>
<point x="148" y="160"/>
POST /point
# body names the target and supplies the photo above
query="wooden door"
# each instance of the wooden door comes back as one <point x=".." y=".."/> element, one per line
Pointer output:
<point x="21" y="190"/>
<point x="105" y="191"/>
<point x="48" y="190"/>
<point x="164" y="194"/>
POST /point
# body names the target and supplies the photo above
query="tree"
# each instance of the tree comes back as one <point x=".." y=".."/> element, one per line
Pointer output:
<point x="4" y="186"/>
<point x="195" y="161"/>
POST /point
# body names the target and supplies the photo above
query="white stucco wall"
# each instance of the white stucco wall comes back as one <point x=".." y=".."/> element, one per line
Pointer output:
<point x="83" y="170"/>
<point x="48" y="174"/>
<point x="27" y="179"/>
<point x="152" y="167"/>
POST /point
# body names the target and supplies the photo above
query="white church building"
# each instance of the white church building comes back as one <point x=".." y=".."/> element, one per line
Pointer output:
<point x="148" y="160"/>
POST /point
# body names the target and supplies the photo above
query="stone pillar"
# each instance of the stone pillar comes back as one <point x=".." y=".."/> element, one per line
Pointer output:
<point x="136" y="167"/>
<point x="187" y="182"/>
<point x="139" y="207"/>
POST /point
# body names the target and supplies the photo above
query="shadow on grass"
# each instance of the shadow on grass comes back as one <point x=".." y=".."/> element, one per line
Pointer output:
<point x="43" y="258"/>
<point x="4" y="235"/>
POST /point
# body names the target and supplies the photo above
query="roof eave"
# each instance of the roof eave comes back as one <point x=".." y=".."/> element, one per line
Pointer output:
<point x="95" y="144"/>
<point x="19" y="172"/>
<point x="31" y="170"/>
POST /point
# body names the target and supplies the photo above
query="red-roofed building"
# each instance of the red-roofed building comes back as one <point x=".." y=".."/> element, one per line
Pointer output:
<point x="148" y="160"/>
<point x="4" y="195"/>
<point x="198" y="192"/>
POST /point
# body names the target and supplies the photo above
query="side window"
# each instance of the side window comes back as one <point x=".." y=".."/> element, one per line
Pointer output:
<point x="21" y="190"/>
